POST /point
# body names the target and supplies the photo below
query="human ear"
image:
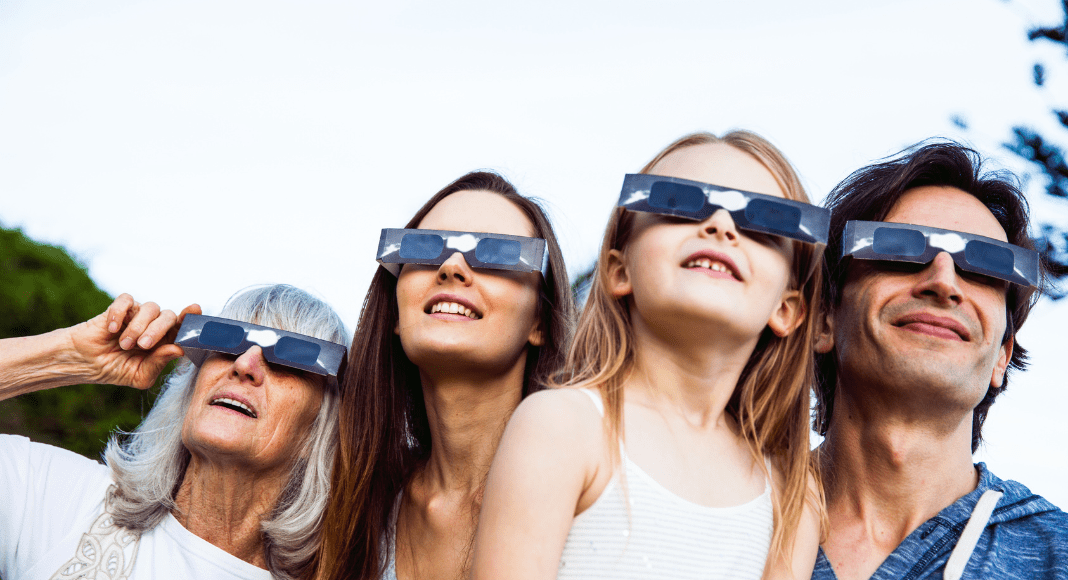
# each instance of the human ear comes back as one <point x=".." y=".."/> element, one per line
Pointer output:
<point x="825" y="333"/>
<point x="788" y="315"/>
<point x="537" y="335"/>
<point x="997" y="376"/>
<point x="618" y="279"/>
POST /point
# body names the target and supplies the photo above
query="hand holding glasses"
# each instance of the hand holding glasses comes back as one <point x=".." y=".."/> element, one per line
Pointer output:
<point x="201" y="335"/>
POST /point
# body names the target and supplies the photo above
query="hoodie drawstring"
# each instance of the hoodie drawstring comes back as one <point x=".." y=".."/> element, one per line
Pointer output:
<point x="958" y="559"/>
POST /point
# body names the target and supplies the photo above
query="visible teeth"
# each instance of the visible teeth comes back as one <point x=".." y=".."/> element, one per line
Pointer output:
<point x="234" y="403"/>
<point x="453" y="308"/>
<point x="708" y="265"/>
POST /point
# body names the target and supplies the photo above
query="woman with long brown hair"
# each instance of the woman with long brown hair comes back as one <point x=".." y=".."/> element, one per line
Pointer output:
<point x="682" y="449"/>
<point x="448" y="343"/>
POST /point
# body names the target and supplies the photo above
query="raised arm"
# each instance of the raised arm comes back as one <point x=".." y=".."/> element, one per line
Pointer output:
<point x="550" y="456"/>
<point x="128" y="344"/>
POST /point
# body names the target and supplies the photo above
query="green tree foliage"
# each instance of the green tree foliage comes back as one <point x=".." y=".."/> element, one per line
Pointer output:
<point x="43" y="288"/>
<point x="1047" y="158"/>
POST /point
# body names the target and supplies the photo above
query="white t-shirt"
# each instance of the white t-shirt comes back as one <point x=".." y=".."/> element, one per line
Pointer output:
<point x="49" y="500"/>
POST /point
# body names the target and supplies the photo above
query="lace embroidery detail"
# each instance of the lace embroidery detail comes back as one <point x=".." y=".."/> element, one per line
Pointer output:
<point x="105" y="552"/>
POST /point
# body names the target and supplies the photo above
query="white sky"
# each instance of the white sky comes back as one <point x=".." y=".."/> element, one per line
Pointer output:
<point x="184" y="150"/>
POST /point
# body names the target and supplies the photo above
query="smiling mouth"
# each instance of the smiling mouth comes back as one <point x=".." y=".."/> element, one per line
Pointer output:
<point x="934" y="326"/>
<point x="709" y="264"/>
<point x="233" y="405"/>
<point x="453" y="308"/>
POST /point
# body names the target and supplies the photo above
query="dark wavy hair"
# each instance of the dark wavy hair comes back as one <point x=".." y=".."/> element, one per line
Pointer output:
<point x="871" y="192"/>
<point x="384" y="430"/>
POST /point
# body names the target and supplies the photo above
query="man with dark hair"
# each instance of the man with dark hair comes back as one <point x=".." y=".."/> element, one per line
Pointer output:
<point x="920" y="336"/>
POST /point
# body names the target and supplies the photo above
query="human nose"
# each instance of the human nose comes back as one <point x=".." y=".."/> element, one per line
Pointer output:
<point x="456" y="268"/>
<point x="250" y="366"/>
<point x="720" y="225"/>
<point x="939" y="280"/>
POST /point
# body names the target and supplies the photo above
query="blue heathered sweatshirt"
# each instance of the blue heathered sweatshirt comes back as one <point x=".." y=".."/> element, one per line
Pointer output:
<point x="1026" y="539"/>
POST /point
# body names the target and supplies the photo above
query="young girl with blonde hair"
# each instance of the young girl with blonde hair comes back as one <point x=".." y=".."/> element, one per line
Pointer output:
<point x="682" y="448"/>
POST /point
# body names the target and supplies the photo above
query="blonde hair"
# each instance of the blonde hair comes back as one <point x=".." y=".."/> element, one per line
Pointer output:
<point x="771" y="401"/>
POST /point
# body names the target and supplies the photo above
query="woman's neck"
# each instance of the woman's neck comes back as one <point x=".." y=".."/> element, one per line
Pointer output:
<point x="467" y="416"/>
<point x="226" y="506"/>
<point x="441" y="502"/>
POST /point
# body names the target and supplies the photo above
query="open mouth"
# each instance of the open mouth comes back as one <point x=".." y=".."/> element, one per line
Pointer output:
<point x="710" y="264"/>
<point x="234" y="405"/>
<point x="453" y="308"/>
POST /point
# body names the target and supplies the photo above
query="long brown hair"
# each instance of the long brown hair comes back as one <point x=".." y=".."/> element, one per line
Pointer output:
<point x="384" y="430"/>
<point x="771" y="401"/>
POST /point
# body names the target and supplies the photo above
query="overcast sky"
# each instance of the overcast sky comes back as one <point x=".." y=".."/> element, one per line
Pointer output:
<point x="185" y="150"/>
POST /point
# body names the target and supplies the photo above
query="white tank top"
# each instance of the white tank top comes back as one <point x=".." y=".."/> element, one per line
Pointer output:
<point x="666" y="536"/>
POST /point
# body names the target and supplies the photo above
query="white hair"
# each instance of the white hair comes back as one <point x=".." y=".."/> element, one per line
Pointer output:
<point x="149" y="464"/>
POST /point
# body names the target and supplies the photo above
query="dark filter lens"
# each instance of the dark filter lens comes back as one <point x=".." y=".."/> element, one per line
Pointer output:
<point x="898" y="242"/>
<point x="675" y="196"/>
<point x="494" y="251"/>
<point x="990" y="257"/>
<point x="297" y="351"/>
<point x="778" y="217"/>
<point x="221" y="335"/>
<point x="421" y="246"/>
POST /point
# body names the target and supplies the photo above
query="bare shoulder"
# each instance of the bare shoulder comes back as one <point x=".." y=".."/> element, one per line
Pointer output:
<point x="543" y="467"/>
<point x="559" y="433"/>
<point x="562" y="411"/>
<point x="564" y="428"/>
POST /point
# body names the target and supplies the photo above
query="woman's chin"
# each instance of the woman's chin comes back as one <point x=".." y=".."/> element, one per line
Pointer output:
<point x="220" y="443"/>
<point x="461" y="358"/>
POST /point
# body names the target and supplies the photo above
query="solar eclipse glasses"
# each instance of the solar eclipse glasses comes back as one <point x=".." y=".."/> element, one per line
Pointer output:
<point x="754" y="212"/>
<point x="397" y="247"/>
<point x="893" y="242"/>
<point x="201" y="335"/>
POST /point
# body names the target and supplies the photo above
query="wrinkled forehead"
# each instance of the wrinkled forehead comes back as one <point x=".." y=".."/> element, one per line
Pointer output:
<point x="947" y="208"/>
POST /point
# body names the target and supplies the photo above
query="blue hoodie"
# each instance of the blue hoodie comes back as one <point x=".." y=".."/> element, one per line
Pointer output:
<point x="1026" y="539"/>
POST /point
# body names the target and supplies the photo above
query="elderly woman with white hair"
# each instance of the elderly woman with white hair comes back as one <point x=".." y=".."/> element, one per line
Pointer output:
<point x="228" y="475"/>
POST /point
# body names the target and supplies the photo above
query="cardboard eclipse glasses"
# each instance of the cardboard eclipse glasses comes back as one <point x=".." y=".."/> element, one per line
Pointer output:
<point x="894" y="242"/>
<point x="754" y="212"/>
<point x="397" y="247"/>
<point x="201" y="335"/>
